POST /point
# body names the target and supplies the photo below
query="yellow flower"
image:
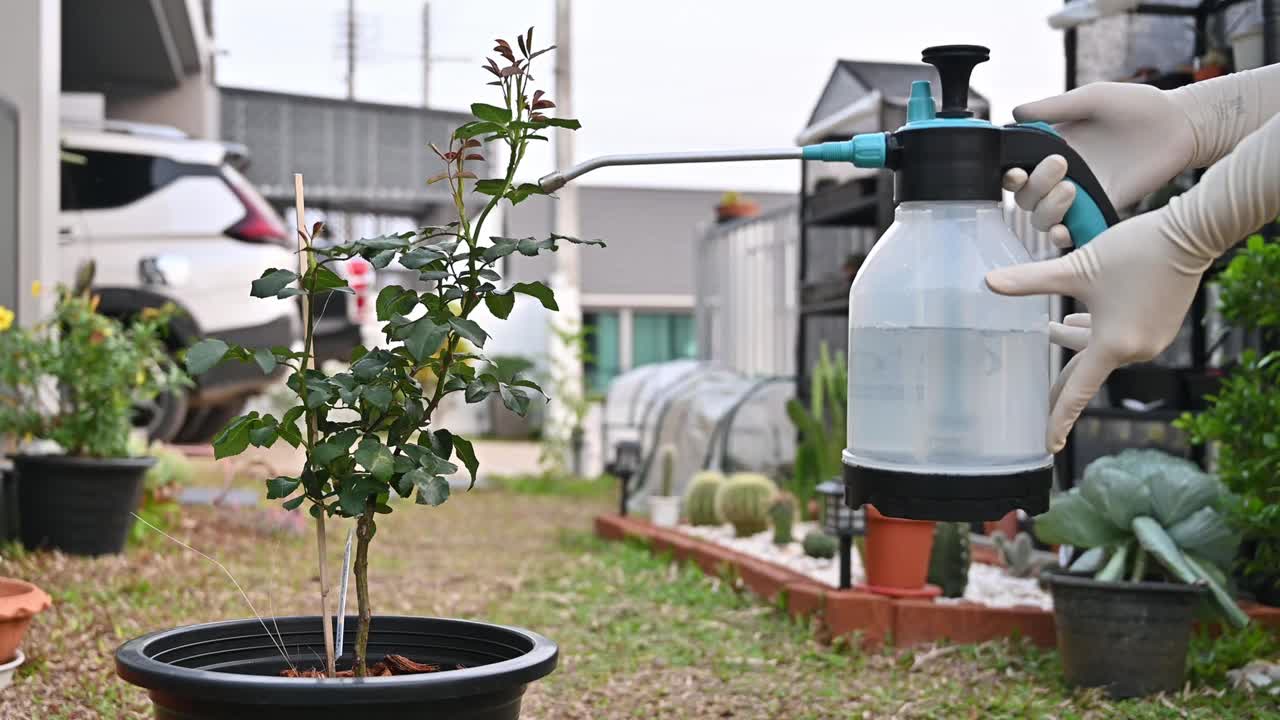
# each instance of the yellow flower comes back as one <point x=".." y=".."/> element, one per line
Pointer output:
<point x="140" y="378"/>
<point x="36" y="286"/>
<point x="6" y="318"/>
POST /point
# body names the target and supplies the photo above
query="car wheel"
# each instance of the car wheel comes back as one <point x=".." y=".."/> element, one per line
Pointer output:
<point x="163" y="416"/>
<point x="204" y="424"/>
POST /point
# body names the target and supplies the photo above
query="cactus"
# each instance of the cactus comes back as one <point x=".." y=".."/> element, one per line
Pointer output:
<point x="819" y="545"/>
<point x="668" y="470"/>
<point x="949" y="561"/>
<point x="700" y="498"/>
<point x="783" y="515"/>
<point x="1016" y="553"/>
<point x="743" y="501"/>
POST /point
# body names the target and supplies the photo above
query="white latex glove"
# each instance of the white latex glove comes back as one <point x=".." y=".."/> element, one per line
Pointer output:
<point x="1138" y="278"/>
<point x="1136" y="138"/>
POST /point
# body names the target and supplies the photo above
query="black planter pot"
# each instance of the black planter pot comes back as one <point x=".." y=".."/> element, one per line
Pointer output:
<point x="78" y="505"/>
<point x="1129" y="638"/>
<point x="230" y="671"/>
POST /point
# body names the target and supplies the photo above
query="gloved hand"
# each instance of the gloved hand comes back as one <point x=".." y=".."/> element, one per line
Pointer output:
<point x="1136" y="137"/>
<point x="1138" y="278"/>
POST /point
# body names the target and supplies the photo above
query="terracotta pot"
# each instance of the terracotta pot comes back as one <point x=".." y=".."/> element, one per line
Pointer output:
<point x="897" y="551"/>
<point x="19" y="602"/>
<point x="1007" y="525"/>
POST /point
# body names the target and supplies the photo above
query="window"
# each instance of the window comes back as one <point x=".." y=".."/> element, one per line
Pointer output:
<point x="604" y="356"/>
<point x="97" y="180"/>
<point x="659" y="337"/>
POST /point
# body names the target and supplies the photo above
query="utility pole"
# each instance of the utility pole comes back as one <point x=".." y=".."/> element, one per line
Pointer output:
<point x="426" y="54"/>
<point x="566" y="363"/>
<point x="351" y="49"/>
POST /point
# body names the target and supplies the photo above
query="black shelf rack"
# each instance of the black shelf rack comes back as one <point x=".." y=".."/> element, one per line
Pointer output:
<point x="1069" y="462"/>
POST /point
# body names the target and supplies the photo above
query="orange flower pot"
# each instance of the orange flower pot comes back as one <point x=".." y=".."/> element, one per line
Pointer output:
<point x="19" y="602"/>
<point x="897" y="551"/>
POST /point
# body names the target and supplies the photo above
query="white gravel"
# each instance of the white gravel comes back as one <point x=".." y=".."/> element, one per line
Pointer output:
<point x="988" y="585"/>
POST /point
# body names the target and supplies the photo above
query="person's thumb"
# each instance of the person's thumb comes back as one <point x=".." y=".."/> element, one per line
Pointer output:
<point x="1074" y="105"/>
<point x="1055" y="276"/>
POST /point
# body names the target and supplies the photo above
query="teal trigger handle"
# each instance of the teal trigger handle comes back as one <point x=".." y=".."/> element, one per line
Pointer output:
<point x="1024" y="145"/>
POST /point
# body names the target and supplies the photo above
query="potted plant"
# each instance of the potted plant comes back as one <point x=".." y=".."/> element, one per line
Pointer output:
<point x="369" y="437"/>
<point x="664" y="508"/>
<point x="20" y="602"/>
<point x="75" y="381"/>
<point x="896" y="555"/>
<point x="1154" y="544"/>
<point x="734" y="207"/>
<point x="1242" y="413"/>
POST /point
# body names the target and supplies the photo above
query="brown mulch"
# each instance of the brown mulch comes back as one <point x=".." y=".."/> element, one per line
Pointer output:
<point x="386" y="667"/>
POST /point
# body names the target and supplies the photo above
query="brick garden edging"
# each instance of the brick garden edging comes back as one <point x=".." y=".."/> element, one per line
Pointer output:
<point x="844" y="612"/>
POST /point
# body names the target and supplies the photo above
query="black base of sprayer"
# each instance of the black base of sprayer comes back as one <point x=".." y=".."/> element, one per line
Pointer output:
<point x="921" y="496"/>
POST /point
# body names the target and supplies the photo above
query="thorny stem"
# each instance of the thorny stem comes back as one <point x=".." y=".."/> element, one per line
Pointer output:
<point x="364" y="533"/>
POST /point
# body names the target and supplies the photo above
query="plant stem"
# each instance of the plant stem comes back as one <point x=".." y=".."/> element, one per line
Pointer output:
<point x="308" y="357"/>
<point x="364" y="533"/>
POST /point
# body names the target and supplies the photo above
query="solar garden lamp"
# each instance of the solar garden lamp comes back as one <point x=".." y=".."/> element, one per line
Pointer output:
<point x="842" y="522"/>
<point x="626" y="463"/>
<point x="948" y="381"/>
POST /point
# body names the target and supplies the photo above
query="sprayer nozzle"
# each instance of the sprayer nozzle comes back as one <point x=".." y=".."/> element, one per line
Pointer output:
<point x="552" y="181"/>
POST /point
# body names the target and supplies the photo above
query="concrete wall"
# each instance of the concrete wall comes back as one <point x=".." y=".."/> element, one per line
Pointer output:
<point x="30" y="80"/>
<point x="192" y="107"/>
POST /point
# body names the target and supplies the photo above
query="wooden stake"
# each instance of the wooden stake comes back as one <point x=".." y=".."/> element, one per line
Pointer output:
<point x="306" y="262"/>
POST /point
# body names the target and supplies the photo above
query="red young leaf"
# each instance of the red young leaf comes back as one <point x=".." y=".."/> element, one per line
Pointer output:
<point x="504" y="49"/>
<point x="472" y="142"/>
<point x="317" y="229"/>
<point x="450" y="156"/>
<point x="510" y="70"/>
<point x="528" y="41"/>
<point x="542" y="104"/>
<point x="474" y="156"/>
<point x="436" y="150"/>
<point x="523" y="49"/>
<point x="537" y="116"/>
<point x="437" y="178"/>
<point x="537" y="95"/>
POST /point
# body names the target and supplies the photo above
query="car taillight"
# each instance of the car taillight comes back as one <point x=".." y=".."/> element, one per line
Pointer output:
<point x="360" y="276"/>
<point x="260" y="222"/>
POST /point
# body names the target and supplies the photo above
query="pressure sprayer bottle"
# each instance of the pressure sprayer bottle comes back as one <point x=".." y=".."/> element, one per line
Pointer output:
<point x="948" y="381"/>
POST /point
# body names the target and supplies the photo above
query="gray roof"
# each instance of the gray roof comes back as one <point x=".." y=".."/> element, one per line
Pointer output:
<point x="852" y="79"/>
<point x="650" y="235"/>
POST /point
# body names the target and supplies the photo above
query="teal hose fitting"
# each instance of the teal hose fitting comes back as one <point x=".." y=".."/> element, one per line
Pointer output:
<point x="865" y="151"/>
<point x="920" y="104"/>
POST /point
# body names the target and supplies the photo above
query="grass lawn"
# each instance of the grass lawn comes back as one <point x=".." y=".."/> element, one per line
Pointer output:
<point x="639" y="636"/>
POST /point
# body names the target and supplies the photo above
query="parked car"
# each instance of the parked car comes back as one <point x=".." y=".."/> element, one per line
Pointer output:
<point x="165" y="218"/>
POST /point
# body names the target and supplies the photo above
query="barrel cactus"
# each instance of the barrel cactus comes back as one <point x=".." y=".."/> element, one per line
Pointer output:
<point x="700" y="498"/>
<point x="668" y="470"/>
<point x="743" y="501"/>
<point x="782" y="513"/>
<point x="949" y="561"/>
<point x="819" y="545"/>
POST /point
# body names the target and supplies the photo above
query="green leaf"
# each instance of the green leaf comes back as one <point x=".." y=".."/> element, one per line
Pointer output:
<point x="1090" y="561"/>
<point x="1177" y="491"/>
<point x="420" y="257"/>
<point x="1207" y="534"/>
<point x="265" y="359"/>
<point x="234" y="438"/>
<point x="491" y="186"/>
<point x="371" y="365"/>
<point x="501" y="247"/>
<point x="1226" y="604"/>
<point x="500" y="304"/>
<point x="472" y="129"/>
<point x="281" y="487"/>
<point x="382" y="259"/>
<point x="333" y="447"/>
<point x="1157" y="542"/>
<point x="432" y="489"/>
<point x="577" y="241"/>
<point x="265" y="433"/>
<point x="322" y="278"/>
<point x="272" y="282"/>
<point x="522" y="191"/>
<point x="202" y="356"/>
<point x="404" y="483"/>
<point x="394" y="300"/>
<point x="291" y="434"/>
<point x="425" y="338"/>
<point x="467" y="454"/>
<point x="440" y="442"/>
<point x="491" y="113"/>
<point x="515" y="400"/>
<point x="469" y="330"/>
<point x="1071" y="520"/>
<point x="566" y="123"/>
<point x="375" y="458"/>
<point x="1114" y="569"/>
<point x="537" y="290"/>
<point x="294" y="503"/>
<point x="532" y="246"/>
<point x="378" y="396"/>
<point x="1118" y="493"/>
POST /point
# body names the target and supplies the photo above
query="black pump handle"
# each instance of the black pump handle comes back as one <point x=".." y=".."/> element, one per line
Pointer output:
<point x="1025" y="145"/>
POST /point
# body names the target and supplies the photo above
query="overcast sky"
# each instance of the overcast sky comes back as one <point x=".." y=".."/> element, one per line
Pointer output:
<point x="648" y="76"/>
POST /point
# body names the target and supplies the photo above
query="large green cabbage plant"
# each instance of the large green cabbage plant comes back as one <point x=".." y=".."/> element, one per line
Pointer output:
<point x="1144" y="513"/>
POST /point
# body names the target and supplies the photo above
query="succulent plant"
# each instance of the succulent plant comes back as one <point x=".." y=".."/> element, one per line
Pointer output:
<point x="782" y="513"/>
<point x="1016" y="553"/>
<point x="1143" y="512"/>
<point x="668" y="470"/>
<point x="818" y="544"/>
<point x="949" y="560"/>
<point x="743" y="501"/>
<point x="700" y="498"/>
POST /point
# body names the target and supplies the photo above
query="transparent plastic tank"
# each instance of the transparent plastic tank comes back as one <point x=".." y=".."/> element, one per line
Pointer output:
<point x="945" y="376"/>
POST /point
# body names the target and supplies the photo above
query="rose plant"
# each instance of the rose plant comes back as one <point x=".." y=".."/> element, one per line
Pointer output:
<point x="357" y="462"/>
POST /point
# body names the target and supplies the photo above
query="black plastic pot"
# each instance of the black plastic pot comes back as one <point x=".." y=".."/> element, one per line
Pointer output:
<point x="8" y="502"/>
<point x="78" y="505"/>
<point x="231" y="671"/>
<point x="1128" y="638"/>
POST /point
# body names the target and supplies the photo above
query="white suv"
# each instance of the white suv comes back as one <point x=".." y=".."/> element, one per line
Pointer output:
<point x="168" y="219"/>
